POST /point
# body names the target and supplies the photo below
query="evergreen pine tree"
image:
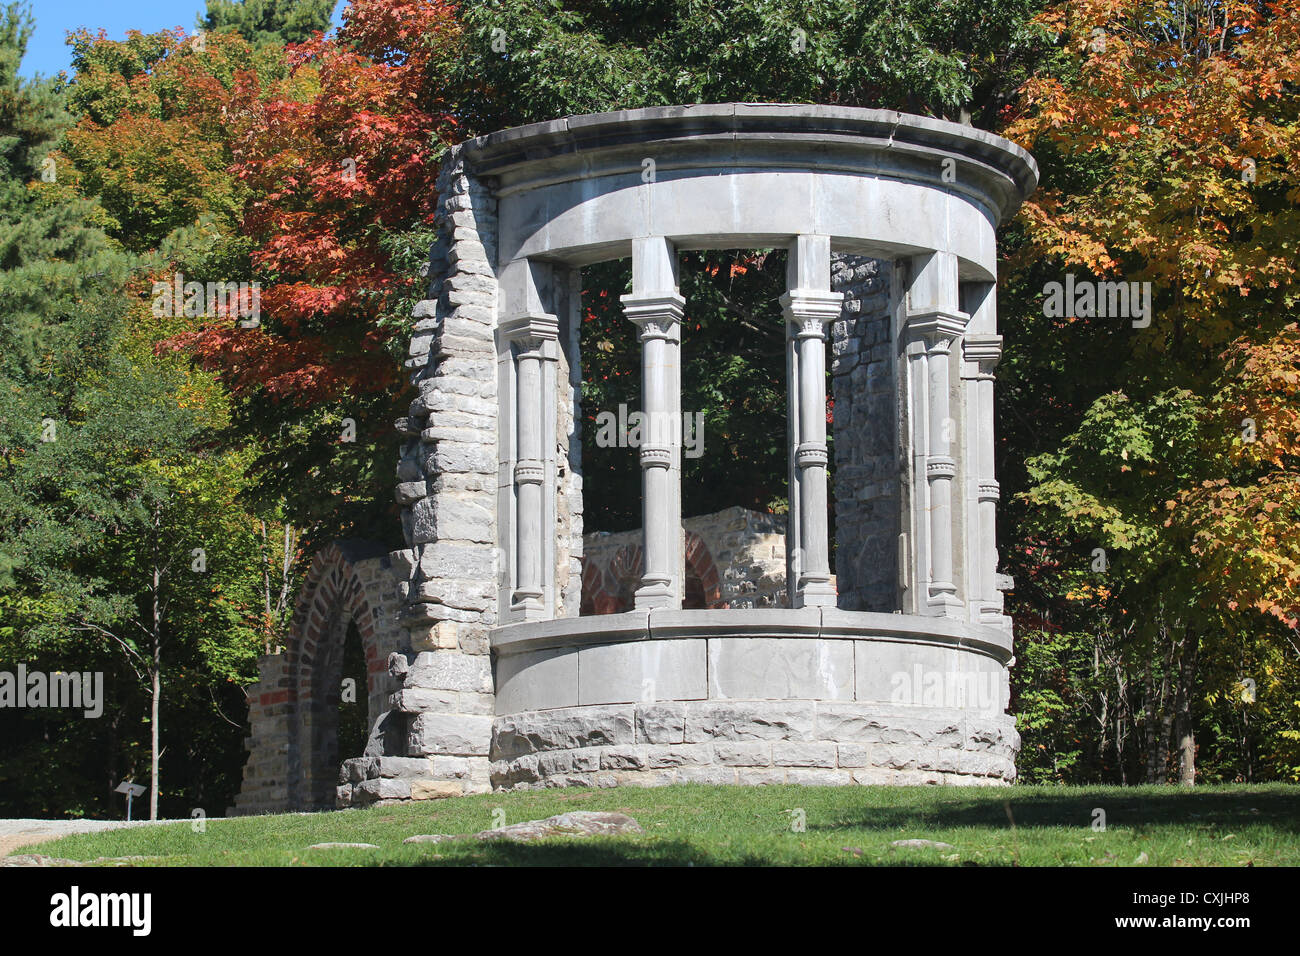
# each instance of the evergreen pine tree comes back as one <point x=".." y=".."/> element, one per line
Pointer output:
<point x="269" y="21"/>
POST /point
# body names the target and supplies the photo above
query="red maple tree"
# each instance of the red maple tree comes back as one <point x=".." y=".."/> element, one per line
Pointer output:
<point x="339" y="156"/>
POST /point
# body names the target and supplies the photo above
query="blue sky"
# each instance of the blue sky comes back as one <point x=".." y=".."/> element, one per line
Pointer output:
<point x="47" y="53"/>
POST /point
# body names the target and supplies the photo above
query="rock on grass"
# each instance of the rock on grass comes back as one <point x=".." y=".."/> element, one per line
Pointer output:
<point x="922" y="845"/>
<point x="577" y="823"/>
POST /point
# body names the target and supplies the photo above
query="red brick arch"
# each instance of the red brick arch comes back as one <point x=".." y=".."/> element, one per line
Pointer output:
<point x="332" y="596"/>
<point x="702" y="570"/>
<point x="612" y="591"/>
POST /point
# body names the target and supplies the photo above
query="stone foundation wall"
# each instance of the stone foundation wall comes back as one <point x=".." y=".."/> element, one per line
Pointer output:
<point x="810" y="695"/>
<point x="751" y="742"/>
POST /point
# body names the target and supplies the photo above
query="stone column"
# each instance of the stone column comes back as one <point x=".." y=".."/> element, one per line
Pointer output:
<point x="981" y="351"/>
<point x="933" y="323"/>
<point x="529" y="474"/>
<point x="656" y="307"/>
<point x="809" y="305"/>
<point x="531" y="335"/>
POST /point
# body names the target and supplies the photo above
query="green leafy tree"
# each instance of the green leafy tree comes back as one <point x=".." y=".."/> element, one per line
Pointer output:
<point x="529" y="61"/>
<point x="1143" y="442"/>
<point x="108" y="482"/>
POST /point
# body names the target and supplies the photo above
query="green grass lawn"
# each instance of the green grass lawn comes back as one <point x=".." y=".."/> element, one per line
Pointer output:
<point x="703" y="825"/>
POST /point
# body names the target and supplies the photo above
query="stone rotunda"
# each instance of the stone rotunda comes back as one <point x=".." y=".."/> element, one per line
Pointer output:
<point x="483" y="673"/>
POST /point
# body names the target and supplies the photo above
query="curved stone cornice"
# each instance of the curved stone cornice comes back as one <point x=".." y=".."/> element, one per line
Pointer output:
<point x="740" y="134"/>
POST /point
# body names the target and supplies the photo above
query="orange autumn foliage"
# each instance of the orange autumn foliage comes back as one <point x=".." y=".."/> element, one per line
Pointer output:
<point x="1181" y="122"/>
<point x="336" y="158"/>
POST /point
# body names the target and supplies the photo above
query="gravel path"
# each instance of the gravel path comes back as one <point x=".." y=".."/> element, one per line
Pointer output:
<point x="17" y="833"/>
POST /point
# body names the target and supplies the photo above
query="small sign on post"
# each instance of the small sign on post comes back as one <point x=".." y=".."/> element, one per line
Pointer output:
<point x="132" y="790"/>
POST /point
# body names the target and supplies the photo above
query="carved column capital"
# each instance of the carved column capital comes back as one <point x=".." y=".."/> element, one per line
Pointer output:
<point x="811" y="453"/>
<point x="808" y="311"/>
<point x="936" y="327"/>
<point x="533" y="334"/>
<point x="656" y="314"/>
<point x="983" y="352"/>
<point x="656" y="456"/>
<point x="940" y="466"/>
<point x="530" y="472"/>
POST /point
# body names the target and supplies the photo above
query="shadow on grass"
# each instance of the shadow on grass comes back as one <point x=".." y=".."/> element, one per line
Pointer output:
<point x="1144" y="808"/>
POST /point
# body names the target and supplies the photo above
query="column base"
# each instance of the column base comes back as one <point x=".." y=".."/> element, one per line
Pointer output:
<point x="815" y="594"/>
<point x="528" y="607"/>
<point x="943" y="601"/>
<point x="656" y="594"/>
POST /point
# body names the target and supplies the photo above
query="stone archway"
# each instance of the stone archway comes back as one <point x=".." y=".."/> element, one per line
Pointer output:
<point x="703" y="584"/>
<point x="293" y="759"/>
<point x="333" y="596"/>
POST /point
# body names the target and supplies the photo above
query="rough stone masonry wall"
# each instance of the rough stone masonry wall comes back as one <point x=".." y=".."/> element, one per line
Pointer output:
<point x="447" y="487"/>
<point x="864" y="434"/>
<point x="447" y="490"/>
<point x="568" y="418"/>
<point x="264" y="787"/>
<point x="835" y="743"/>
<point x="435" y="683"/>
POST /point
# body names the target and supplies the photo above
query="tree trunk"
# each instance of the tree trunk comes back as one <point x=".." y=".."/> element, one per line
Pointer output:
<point x="155" y="673"/>
<point x="1119" y="751"/>
<point x="153" y="739"/>
<point x="266" y="588"/>
<point x="1186" y="729"/>
<point x="1122" y="709"/>
<point x="1245" y="746"/>
<point x="285" y="567"/>
<point x="1166" y="745"/>
<point x="113" y="779"/>
<point x="1151" y="730"/>
<point x="1160" y="717"/>
<point x="1103" y="719"/>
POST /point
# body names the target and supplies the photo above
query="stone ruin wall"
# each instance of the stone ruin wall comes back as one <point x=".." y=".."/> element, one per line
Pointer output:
<point x="447" y="487"/>
<point x="432" y="718"/>
<point x="865" y="435"/>
<point x="427" y="641"/>
<point x="293" y="747"/>
<point x="734" y="559"/>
